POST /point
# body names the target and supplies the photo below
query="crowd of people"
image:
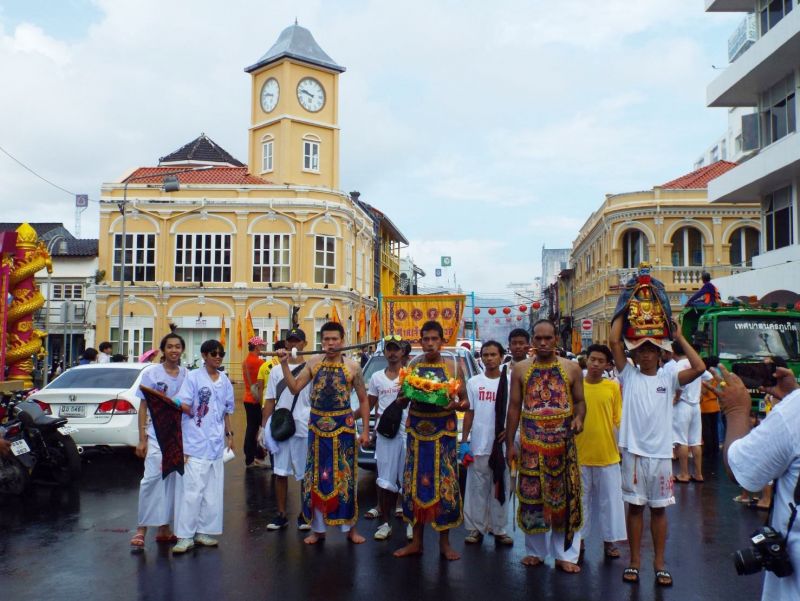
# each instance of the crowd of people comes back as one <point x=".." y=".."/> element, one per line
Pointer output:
<point x="568" y="447"/>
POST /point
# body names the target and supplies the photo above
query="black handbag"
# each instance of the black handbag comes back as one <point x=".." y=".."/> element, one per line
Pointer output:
<point x="282" y="424"/>
<point x="389" y="423"/>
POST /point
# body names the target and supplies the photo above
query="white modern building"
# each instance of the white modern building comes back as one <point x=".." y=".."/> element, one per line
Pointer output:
<point x="764" y="72"/>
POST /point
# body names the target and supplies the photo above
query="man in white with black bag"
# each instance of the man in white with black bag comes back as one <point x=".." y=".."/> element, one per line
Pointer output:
<point x="286" y="422"/>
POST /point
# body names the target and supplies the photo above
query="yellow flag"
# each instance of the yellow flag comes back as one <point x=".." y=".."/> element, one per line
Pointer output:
<point x="335" y="315"/>
<point x="276" y="334"/>
<point x="374" y="326"/>
<point x="251" y="331"/>
<point x="361" y="327"/>
<point x="239" y="333"/>
<point x="222" y="337"/>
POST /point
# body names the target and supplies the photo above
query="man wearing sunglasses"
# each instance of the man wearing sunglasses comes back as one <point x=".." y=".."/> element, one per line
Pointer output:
<point x="329" y="486"/>
<point x="208" y="394"/>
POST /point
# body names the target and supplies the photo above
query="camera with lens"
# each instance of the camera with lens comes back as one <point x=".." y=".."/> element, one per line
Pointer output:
<point x="767" y="552"/>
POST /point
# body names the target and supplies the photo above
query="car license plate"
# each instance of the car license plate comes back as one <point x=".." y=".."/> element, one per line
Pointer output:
<point x="67" y="430"/>
<point x="20" y="447"/>
<point x="72" y="411"/>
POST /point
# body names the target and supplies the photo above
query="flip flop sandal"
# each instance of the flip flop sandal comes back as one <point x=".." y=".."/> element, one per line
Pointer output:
<point x="372" y="514"/>
<point x="612" y="552"/>
<point x="166" y="538"/>
<point x="137" y="543"/>
<point x="663" y="578"/>
<point x="698" y="480"/>
<point x="631" y="575"/>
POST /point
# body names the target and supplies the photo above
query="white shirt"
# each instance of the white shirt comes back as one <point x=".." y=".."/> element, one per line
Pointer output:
<point x="386" y="390"/>
<point x="482" y="392"/>
<point x="103" y="358"/>
<point x="157" y="378"/>
<point x="646" y="427"/>
<point x="302" y="410"/>
<point x="691" y="392"/>
<point x="204" y="430"/>
<point x="772" y="452"/>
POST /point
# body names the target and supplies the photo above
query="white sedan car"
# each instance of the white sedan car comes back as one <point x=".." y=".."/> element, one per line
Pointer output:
<point x="99" y="400"/>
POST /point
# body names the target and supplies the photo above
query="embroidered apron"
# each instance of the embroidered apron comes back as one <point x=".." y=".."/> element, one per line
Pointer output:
<point x="331" y="469"/>
<point x="430" y="478"/>
<point x="549" y="488"/>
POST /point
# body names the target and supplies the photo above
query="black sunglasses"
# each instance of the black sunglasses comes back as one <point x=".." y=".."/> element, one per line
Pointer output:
<point x="216" y="354"/>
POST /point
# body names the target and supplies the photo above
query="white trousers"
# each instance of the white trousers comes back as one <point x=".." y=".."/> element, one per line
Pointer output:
<point x="156" y="495"/>
<point x="552" y="543"/>
<point x="602" y="502"/>
<point x="198" y="498"/>
<point x="482" y="511"/>
<point x="318" y="523"/>
<point x="390" y="457"/>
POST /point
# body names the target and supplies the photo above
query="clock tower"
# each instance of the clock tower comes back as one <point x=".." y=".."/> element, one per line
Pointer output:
<point x="294" y="128"/>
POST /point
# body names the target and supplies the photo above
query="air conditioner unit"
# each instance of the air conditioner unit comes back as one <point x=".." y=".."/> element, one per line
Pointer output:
<point x="745" y="36"/>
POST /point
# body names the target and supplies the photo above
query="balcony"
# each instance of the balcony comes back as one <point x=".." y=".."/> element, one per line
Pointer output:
<point x="775" y="166"/>
<point x="771" y="58"/>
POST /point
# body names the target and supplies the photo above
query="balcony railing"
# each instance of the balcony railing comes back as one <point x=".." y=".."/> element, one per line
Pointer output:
<point x="746" y="35"/>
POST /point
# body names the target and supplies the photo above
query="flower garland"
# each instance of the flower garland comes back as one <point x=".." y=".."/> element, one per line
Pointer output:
<point x="428" y="388"/>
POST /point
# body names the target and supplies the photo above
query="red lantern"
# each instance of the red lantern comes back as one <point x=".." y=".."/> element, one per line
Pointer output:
<point x="497" y="320"/>
<point x="797" y="306"/>
<point x="506" y="310"/>
<point x="536" y="305"/>
<point x="519" y="317"/>
<point x="477" y="311"/>
<point x="523" y="308"/>
<point x="492" y="311"/>
<point x="508" y="319"/>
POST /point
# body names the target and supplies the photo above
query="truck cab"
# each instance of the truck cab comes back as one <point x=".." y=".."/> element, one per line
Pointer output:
<point x="740" y="333"/>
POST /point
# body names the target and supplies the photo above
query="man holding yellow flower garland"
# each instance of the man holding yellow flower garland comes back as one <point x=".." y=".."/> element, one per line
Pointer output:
<point x="430" y="478"/>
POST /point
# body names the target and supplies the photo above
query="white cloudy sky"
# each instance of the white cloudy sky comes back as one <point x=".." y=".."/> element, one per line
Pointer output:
<point x="484" y="129"/>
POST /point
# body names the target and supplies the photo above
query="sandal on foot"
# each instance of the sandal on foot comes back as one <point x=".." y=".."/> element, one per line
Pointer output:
<point x="611" y="552"/>
<point x="137" y="543"/>
<point x="663" y="578"/>
<point x="372" y="514"/>
<point x="631" y="575"/>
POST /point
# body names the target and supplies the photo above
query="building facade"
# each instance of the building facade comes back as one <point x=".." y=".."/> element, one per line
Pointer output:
<point x="765" y="74"/>
<point x="674" y="228"/>
<point x="275" y="239"/>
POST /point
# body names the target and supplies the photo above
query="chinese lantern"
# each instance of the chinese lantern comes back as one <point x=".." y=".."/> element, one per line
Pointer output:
<point x="797" y="305"/>
<point x="523" y="308"/>
<point x="508" y="320"/>
<point x="519" y="317"/>
<point x="536" y="304"/>
<point x="497" y="320"/>
<point x="492" y="311"/>
<point x="506" y="310"/>
<point x="477" y="311"/>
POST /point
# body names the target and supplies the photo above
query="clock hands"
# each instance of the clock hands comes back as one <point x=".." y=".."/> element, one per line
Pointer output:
<point x="308" y="93"/>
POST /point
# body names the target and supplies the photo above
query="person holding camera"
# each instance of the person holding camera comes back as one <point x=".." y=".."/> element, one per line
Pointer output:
<point x="753" y="458"/>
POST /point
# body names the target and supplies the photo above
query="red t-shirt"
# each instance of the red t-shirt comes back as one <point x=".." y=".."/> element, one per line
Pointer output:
<point x="252" y="363"/>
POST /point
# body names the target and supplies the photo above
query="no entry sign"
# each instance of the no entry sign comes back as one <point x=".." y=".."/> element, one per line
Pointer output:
<point x="587" y="327"/>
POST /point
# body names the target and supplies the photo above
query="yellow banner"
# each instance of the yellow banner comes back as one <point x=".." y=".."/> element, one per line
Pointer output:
<point x="403" y="315"/>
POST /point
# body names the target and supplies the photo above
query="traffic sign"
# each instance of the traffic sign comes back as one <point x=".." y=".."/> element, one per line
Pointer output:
<point x="438" y="272"/>
<point x="587" y="327"/>
<point x="447" y="261"/>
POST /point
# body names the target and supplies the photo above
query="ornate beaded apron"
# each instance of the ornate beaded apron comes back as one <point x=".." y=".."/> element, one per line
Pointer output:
<point x="549" y="488"/>
<point x="331" y="469"/>
<point x="430" y="478"/>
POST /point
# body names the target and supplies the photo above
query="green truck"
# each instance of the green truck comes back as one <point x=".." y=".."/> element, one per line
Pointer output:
<point x="741" y="333"/>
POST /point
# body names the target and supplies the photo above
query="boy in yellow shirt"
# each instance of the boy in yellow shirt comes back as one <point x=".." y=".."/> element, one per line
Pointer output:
<point x="598" y="454"/>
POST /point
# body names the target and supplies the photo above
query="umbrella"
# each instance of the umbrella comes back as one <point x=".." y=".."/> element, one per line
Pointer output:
<point x="147" y="356"/>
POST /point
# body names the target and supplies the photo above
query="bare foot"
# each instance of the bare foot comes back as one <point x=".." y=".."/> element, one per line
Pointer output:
<point x="410" y="549"/>
<point x="531" y="561"/>
<point x="446" y="551"/>
<point x="355" y="538"/>
<point x="314" y="538"/>
<point x="566" y="566"/>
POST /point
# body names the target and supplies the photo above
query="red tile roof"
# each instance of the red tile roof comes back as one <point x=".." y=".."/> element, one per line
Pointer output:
<point x="217" y="175"/>
<point x="699" y="178"/>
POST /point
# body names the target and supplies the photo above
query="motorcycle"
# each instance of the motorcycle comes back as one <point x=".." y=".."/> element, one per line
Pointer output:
<point x="41" y="446"/>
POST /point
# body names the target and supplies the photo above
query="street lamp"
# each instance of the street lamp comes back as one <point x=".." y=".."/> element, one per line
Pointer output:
<point x="170" y="185"/>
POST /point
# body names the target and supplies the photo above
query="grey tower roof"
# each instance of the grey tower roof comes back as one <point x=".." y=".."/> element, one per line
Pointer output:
<point x="201" y="150"/>
<point x="296" y="42"/>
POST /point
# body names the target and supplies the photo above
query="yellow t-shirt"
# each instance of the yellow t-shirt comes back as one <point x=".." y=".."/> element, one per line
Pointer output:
<point x="597" y="445"/>
<point x="263" y="371"/>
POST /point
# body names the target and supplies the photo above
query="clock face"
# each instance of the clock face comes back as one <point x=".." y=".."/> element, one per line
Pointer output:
<point x="269" y="94"/>
<point x="311" y="94"/>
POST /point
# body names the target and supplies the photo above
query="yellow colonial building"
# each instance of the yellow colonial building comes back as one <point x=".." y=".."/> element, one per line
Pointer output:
<point x="275" y="238"/>
<point x="675" y="228"/>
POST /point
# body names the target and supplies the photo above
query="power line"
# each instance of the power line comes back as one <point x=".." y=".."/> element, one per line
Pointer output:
<point x="24" y="166"/>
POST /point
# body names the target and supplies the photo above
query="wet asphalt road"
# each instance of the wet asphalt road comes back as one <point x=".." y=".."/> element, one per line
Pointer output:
<point x="72" y="544"/>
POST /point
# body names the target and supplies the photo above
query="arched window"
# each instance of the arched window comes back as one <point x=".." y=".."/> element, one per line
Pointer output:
<point x="634" y="248"/>
<point x="267" y="153"/>
<point x="745" y="243"/>
<point x="687" y="247"/>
